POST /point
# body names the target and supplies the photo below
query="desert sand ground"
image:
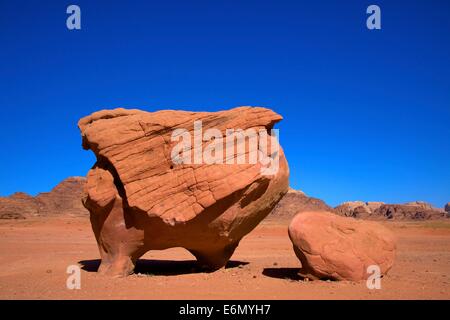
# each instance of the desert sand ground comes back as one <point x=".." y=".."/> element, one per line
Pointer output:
<point x="35" y="253"/>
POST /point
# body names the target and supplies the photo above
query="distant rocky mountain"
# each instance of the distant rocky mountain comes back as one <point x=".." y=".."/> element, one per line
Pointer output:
<point x="294" y="202"/>
<point x="417" y="210"/>
<point x="65" y="198"/>
<point x="297" y="201"/>
<point x="18" y="206"/>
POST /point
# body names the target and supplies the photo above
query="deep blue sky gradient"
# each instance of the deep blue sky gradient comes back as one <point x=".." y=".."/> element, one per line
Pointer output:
<point x="366" y="113"/>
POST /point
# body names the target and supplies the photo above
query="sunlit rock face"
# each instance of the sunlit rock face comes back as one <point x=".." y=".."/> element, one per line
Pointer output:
<point x="340" y="248"/>
<point x="143" y="195"/>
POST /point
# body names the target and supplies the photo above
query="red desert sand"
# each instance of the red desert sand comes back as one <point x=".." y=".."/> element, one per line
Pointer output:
<point x="36" y="252"/>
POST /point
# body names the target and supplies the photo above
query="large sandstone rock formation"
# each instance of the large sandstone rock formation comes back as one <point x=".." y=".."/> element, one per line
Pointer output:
<point x="65" y="198"/>
<point x="296" y="201"/>
<point x="416" y="210"/>
<point x="140" y="199"/>
<point x="340" y="248"/>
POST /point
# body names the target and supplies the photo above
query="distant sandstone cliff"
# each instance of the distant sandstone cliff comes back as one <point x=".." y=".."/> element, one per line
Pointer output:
<point x="65" y="198"/>
<point x="294" y="202"/>
<point x="417" y="210"/>
<point x="297" y="201"/>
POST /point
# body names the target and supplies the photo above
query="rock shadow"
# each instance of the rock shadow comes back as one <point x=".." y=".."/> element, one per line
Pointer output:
<point x="151" y="267"/>
<point x="283" y="273"/>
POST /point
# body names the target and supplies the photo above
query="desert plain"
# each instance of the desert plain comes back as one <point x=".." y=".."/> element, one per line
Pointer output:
<point x="35" y="254"/>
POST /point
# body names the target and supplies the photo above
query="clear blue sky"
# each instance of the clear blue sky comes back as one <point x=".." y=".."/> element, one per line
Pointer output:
<point x="366" y="113"/>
